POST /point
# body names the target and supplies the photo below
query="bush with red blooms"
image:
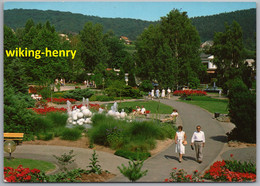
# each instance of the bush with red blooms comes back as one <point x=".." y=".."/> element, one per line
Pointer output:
<point x="189" y="93"/>
<point x="92" y="106"/>
<point x="182" y="176"/>
<point x="220" y="173"/>
<point x="61" y="100"/>
<point x="46" y="110"/>
<point x="23" y="175"/>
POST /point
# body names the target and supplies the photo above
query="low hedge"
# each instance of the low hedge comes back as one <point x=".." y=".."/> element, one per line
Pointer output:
<point x="133" y="155"/>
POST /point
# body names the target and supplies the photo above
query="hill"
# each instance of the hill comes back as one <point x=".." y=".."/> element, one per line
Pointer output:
<point x="208" y="25"/>
<point x="67" y="22"/>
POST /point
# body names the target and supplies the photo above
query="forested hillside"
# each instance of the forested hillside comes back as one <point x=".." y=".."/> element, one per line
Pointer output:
<point x="208" y="25"/>
<point x="67" y="22"/>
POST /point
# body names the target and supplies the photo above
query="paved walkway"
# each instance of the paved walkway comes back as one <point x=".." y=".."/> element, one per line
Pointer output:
<point x="160" y="165"/>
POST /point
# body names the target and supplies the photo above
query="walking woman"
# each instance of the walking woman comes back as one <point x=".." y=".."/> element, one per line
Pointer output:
<point x="180" y="141"/>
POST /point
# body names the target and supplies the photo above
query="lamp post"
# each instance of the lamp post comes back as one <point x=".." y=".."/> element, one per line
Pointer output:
<point x="9" y="147"/>
<point x="126" y="78"/>
<point x="103" y="82"/>
<point x="52" y="89"/>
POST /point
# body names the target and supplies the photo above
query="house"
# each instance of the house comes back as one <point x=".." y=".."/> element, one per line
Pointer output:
<point x="127" y="41"/>
<point x="65" y="37"/>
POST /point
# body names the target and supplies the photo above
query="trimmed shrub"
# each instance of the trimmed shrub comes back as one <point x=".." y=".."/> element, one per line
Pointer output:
<point x="242" y="110"/>
<point x="42" y="124"/>
<point x="17" y="118"/>
<point x="140" y="144"/>
<point x="58" y="119"/>
<point x="146" y="129"/>
<point x="146" y="86"/>
<point x="133" y="155"/>
<point x="71" y="134"/>
<point x="78" y="94"/>
<point x="45" y="136"/>
<point x="101" y="98"/>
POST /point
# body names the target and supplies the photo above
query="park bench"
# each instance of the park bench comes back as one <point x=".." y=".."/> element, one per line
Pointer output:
<point x="16" y="137"/>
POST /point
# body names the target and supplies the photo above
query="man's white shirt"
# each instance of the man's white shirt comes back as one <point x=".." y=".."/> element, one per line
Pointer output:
<point x="198" y="136"/>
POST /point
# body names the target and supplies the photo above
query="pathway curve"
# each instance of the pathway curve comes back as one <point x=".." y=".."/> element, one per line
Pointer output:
<point x="160" y="166"/>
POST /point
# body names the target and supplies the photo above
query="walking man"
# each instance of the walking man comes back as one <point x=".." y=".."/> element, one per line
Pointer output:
<point x="198" y="140"/>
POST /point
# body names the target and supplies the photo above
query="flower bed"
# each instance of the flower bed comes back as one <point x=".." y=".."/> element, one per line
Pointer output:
<point x="218" y="172"/>
<point x="182" y="176"/>
<point x="189" y="93"/>
<point x="93" y="106"/>
<point x="61" y="100"/>
<point x="46" y="110"/>
<point x="22" y="174"/>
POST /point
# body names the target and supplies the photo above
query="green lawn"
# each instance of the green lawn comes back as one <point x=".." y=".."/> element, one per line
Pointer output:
<point x="149" y="105"/>
<point x="210" y="104"/>
<point x="29" y="163"/>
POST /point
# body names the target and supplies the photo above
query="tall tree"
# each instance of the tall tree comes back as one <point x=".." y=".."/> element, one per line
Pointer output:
<point x="228" y="53"/>
<point x="93" y="51"/>
<point x="169" y="52"/>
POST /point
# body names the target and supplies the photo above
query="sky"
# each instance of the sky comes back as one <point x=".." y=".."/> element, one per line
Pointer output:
<point x="151" y="11"/>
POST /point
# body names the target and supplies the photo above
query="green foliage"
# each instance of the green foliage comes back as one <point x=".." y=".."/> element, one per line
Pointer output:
<point x="115" y="137"/>
<point x="93" y="165"/>
<point x="134" y="136"/>
<point x="71" y="134"/>
<point x="17" y="118"/>
<point x="101" y="98"/>
<point x="45" y="92"/>
<point x="146" y="86"/>
<point x="238" y="166"/>
<point x="66" y="22"/>
<point x="65" y="177"/>
<point x="175" y="57"/>
<point x="133" y="155"/>
<point x="127" y="109"/>
<point x="208" y="103"/>
<point x="228" y="51"/>
<point x="242" y="110"/>
<point x="65" y="159"/>
<point x="45" y="136"/>
<point x="208" y="25"/>
<point x="44" y="166"/>
<point x="78" y="94"/>
<point x="59" y="119"/>
<point x="133" y="171"/>
<point x="93" y="50"/>
<point x="119" y="89"/>
<point x="148" y="105"/>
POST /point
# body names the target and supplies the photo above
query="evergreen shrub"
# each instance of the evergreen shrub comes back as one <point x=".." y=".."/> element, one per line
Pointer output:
<point x="71" y="134"/>
<point x="242" y="110"/>
<point x="133" y="155"/>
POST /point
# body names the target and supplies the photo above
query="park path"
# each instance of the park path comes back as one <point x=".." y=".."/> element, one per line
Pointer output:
<point x="160" y="166"/>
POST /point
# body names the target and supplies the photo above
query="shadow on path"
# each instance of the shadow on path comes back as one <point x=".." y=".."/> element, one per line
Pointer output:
<point x="185" y="158"/>
<point x="220" y="138"/>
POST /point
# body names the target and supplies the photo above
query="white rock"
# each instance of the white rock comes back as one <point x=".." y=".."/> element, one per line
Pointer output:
<point x="74" y="116"/>
<point x="86" y="112"/>
<point x="80" y="115"/>
<point x="122" y="114"/>
<point x="74" y="122"/>
<point x="83" y="108"/>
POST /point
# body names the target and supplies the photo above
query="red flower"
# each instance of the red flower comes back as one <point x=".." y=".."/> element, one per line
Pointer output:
<point x="231" y="155"/>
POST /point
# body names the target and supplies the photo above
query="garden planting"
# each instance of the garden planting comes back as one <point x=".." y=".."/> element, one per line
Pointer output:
<point x="220" y="171"/>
